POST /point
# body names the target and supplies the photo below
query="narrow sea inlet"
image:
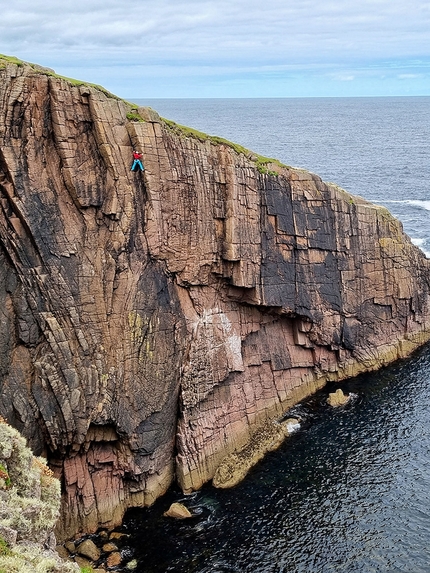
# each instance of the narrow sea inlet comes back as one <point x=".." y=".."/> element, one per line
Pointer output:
<point x="349" y="492"/>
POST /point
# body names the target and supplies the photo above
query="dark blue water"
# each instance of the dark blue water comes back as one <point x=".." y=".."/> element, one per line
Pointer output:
<point x="350" y="491"/>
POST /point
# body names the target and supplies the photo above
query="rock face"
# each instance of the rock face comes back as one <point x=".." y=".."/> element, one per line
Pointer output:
<point x="150" y="323"/>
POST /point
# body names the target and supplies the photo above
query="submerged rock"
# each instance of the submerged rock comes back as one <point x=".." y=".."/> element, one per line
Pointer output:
<point x="234" y="467"/>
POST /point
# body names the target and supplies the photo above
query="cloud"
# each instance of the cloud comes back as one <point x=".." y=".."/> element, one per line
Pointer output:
<point x="224" y="35"/>
<point x="409" y="76"/>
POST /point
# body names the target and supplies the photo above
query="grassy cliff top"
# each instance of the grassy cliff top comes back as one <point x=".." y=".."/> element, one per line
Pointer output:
<point x="6" y="60"/>
<point x="265" y="165"/>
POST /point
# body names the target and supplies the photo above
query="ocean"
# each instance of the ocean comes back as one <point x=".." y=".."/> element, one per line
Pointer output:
<point x="350" y="491"/>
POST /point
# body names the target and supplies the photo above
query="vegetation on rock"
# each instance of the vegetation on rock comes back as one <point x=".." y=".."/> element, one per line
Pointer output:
<point x="5" y="60"/>
<point x="134" y="116"/>
<point x="29" y="509"/>
<point x="262" y="163"/>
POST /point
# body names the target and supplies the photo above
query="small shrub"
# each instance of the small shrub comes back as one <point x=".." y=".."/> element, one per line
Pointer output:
<point x="46" y="474"/>
<point x="4" y="476"/>
<point x="133" y="116"/>
<point x="4" y="548"/>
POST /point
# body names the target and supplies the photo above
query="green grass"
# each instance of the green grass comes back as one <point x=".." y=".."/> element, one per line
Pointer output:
<point x="9" y="60"/>
<point x="4" y="60"/>
<point x="4" y="548"/>
<point x="260" y="161"/>
<point x="133" y="116"/>
<point x="265" y="165"/>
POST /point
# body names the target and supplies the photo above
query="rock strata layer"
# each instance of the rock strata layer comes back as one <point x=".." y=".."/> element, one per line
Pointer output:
<point x="151" y="323"/>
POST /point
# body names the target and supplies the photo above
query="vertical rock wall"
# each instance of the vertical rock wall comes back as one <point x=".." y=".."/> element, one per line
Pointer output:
<point x="150" y="323"/>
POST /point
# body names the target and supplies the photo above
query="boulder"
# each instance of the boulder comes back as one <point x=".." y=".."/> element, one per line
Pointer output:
<point x="178" y="511"/>
<point x="109" y="547"/>
<point x="83" y="562"/>
<point x="113" y="559"/>
<point x="337" y="398"/>
<point x="88" y="549"/>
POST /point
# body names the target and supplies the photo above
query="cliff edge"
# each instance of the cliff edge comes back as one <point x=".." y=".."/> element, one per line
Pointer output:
<point x="151" y="322"/>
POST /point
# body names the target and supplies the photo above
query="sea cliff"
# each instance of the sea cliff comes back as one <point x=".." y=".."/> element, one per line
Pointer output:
<point x="153" y="323"/>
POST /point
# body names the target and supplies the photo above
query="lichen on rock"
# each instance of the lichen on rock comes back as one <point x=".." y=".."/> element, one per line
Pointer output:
<point x="29" y="510"/>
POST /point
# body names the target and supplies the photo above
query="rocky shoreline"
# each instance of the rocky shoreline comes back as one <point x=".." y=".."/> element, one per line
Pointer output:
<point x="29" y="510"/>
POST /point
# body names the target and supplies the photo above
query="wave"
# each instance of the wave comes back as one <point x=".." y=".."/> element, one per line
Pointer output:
<point x="414" y="202"/>
<point x="419" y="243"/>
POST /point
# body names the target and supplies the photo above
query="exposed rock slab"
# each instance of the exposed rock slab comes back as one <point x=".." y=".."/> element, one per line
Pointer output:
<point x="234" y="467"/>
<point x="151" y="323"/>
<point x="337" y="398"/>
<point x="178" y="511"/>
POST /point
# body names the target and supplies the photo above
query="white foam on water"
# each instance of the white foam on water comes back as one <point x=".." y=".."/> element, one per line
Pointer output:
<point x="414" y="202"/>
<point x="292" y="427"/>
<point x="419" y="243"/>
<point x="420" y="204"/>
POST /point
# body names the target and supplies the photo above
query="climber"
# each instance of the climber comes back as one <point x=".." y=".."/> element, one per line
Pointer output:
<point x="137" y="157"/>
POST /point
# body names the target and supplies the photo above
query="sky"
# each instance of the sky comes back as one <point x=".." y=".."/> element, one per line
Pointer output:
<point x="227" y="48"/>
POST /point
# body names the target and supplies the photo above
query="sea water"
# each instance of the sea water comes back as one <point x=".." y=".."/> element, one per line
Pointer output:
<point x="350" y="490"/>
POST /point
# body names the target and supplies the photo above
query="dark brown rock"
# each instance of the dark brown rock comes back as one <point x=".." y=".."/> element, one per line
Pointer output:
<point x="151" y="323"/>
<point x="113" y="559"/>
<point x="88" y="549"/>
<point x="62" y="552"/>
<point x="70" y="546"/>
<point x="83" y="562"/>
